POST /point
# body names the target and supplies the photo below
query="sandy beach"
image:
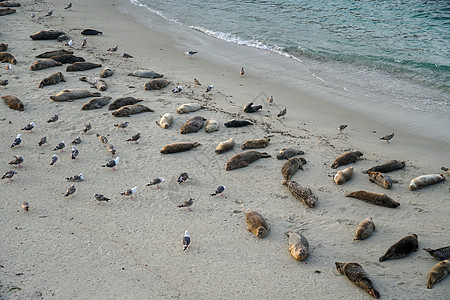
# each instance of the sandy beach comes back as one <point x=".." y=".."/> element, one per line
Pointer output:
<point x="79" y="248"/>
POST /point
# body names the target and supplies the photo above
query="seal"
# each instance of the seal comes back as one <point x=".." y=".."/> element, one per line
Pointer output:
<point x="44" y="64"/>
<point x="7" y="57"/>
<point x="178" y="147"/>
<point x="96" y="103"/>
<point x="256" y="143"/>
<point x="301" y="193"/>
<point x="46" y="35"/>
<point x="256" y="223"/>
<point x="192" y="125"/>
<point x="188" y="107"/>
<point x="364" y="229"/>
<point x="425" y="180"/>
<point x="13" y="102"/>
<point x="146" y="74"/>
<point x="165" y="121"/>
<point x="50" y="54"/>
<point x="441" y="253"/>
<point x="243" y="159"/>
<point x="374" y="198"/>
<point x="3" y="47"/>
<point x="237" y="123"/>
<point x="67" y="58"/>
<point x="381" y="179"/>
<point x="356" y="274"/>
<point x="211" y="125"/>
<point x="386" y="167"/>
<point x="346" y="158"/>
<point x="127" y="110"/>
<point x="91" y="32"/>
<point x="9" y="4"/>
<point x="250" y="108"/>
<point x="402" y="248"/>
<point x="7" y="11"/>
<point x="69" y="95"/>
<point x="292" y="166"/>
<point x="106" y="72"/>
<point x="438" y="272"/>
<point x="342" y="176"/>
<point x="118" y="103"/>
<point x="156" y="84"/>
<point x="96" y="82"/>
<point x="52" y="79"/>
<point x="82" y="66"/>
<point x="225" y="146"/>
<point x="298" y="245"/>
<point x="287" y="153"/>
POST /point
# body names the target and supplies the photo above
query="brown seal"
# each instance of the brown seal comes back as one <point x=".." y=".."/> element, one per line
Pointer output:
<point x="356" y="274"/>
<point x="441" y="253"/>
<point x="287" y="153"/>
<point x="118" y="103"/>
<point x="69" y="95"/>
<point x="425" y="180"/>
<point x="3" y="47"/>
<point x="49" y="54"/>
<point x="192" y="125"/>
<point x="178" y="147"/>
<point x="225" y="146"/>
<point x="243" y="159"/>
<point x="343" y="176"/>
<point x="46" y="35"/>
<point x="127" y="110"/>
<point x="364" y="229"/>
<point x="67" y="58"/>
<point x="298" y="245"/>
<point x="346" y="158"/>
<point x="52" y="79"/>
<point x="301" y="193"/>
<point x="6" y="11"/>
<point x="374" y="198"/>
<point x="254" y="144"/>
<point x="6" y="57"/>
<point x="386" y="167"/>
<point x="291" y="167"/>
<point x="156" y="84"/>
<point x="13" y="102"/>
<point x="256" y="223"/>
<point x="438" y="272"/>
<point x="381" y="179"/>
<point x="402" y="248"/>
<point x="96" y="82"/>
<point x="82" y="66"/>
<point x="96" y="103"/>
<point x="44" y="64"/>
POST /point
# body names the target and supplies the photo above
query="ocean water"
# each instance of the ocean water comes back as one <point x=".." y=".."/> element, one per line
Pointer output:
<point x="387" y="50"/>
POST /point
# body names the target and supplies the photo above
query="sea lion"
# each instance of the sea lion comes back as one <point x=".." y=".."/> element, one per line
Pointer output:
<point x="425" y="180"/>
<point x="127" y="110"/>
<point x="287" y="153"/>
<point x="301" y="193"/>
<point x="292" y="166"/>
<point x="67" y="58"/>
<point x="44" y="64"/>
<point x="96" y="82"/>
<point x="52" y="79"/>
<point x="91" y="32"/>
<point x="13" y="102"/>
<point x="402" y="248"/>
<point x="96" y="103"/>
<point x="46" y="35"/>
<point x="7" y="57"/>
<point x="156" y="84"/>
<point x="146" y="74"/>
<point x="250" y="108"/>
<point x="364" y="229"/>
<point x="356" y="274"/>
<point x="178" y="147"/>
<point x="211" y="125"/>
<point x="225" y="146"/>
<point x="387" y="167"/>
<point x="346" y="158"/>
<point x="72" y="94"/>
<point x="192" y="125"/>
<point x="3" y="47"/>
<point x="118" y="103"/>
<point x="9" y="4"/>
<point x="82" y="66"/>
<point x="188" y="107"/>
<point x="106" y="72"/>
<point x="298" y="245"/>
<point x="165" y="121"/>
<point x="343" y="175"/>
<point x="438" y="272"/>
<point x="50" y="54"/>
<point x="243" y="159"/>
<point x="381" y="179"/>
<point x="6" y="11"/>
<point x="256" y="143"/>
<point x="237" y="123"/>
<point x="256" y="223"/>
<point x="441" y="253"/>
<point x="374" y="198"/>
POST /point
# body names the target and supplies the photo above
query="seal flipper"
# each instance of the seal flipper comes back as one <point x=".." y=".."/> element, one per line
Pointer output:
<point x="374" y="293"/>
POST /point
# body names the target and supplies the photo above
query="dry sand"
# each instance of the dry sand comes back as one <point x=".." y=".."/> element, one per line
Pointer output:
<point x="76" y="248"/>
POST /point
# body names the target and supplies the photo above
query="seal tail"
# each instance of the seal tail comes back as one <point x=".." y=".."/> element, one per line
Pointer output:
<point x="374" y="293"/>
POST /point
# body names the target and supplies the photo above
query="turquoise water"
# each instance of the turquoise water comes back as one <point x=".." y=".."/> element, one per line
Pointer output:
<point x="397" y="51"/>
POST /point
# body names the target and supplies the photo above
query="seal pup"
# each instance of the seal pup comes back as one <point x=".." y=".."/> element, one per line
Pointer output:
<point x="225" y="146"/>
<point x="387" y="138"/>
<point x="111" y="149"/>
<point x="106" y="72"/>
<point x="124" y="101"/>
<point x="13" y="102"/>
<point x="42" y="141"/>
<point x="381" y="179"/>
<point x="438" y="272"/>
<point x="156" y="84"/>
<point x="112" y="163"/>
<point x="346" y="158"/>
<point x="157" y="182"/>
<point x="287" y="153"/>
<point x="96" y="82"/>
<point x="303" y="194"/>
<point x="50" y="54"/>
<point x="190" y="53"/>
<point x="237" y="123"/>
<point x="211" y="125"/>
<point x="87" y="127"/>
<point x="135" y="138"/>
<point x="76" y="140"/>
<point x="243" y="159"/>
<point x="82" y="66"/>
<point x="29" y="127"/>
<point x="100" y="197"/>
<point x="165" y="121"/>
<point x="425" y="180"/>
<point x="91" y="32"/>
<point x="130" y="192"/>
<point x="282" y="113"/>
<point x="194" y="124"/>
<point x="25" y="206"/>
<point x="178" y="147"/>
<point x="183" y="178"/>
<point x="256" y="223"/>
<point x="17" y="160"/>
<point x="250" y="108"/>
<point x="298" y="245"/>
<point x="52" y="79"/>
<point x="96" y="103"/>
<point x="219" y="191"/>
<point x="76" y="178"/>
<point x="17" y="141"/>
<point x="364" y="229"/>
<point x="127" y="110"/>
<point x="386" y="167"/>
<point x="242" y="72"/>
<point x="122" y="125"/>
<point x="441" y="253"/>
<point x="402" y="248"/>
<point x="73" y="94"/>
<point x="356" y="274"/>
<point x="44" y="64"/>
<point x="6" y="57"/>
<point x="188" y="107"/>
<point x="54" y="160"/>
<point x="374" y="198"/>
<point x="9" y="175"/>
<point x="292" y="166"/>
<point x="341" y="128"/>
<point x="256" y="143"/>
<point x="74" y="152"/>
<point x="343" y="175"/>
<point x="186" y="240"/>
<point x="60" y="146"/>
<point x="71" y="190"/>
<point x="187" y="204"/>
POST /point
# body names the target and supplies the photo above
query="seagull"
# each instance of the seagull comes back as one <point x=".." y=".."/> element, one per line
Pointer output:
<point x="387" y="137"/>
<point x="49" y="13"/>
<point x="71" y="190"/>
<point x="242" y="72"/>
<point x="342" y="127"/>
<point x="9" y="175"/>
<point x="60" y="146"/>
<point x="270" y="100"/>
<point x="84" y="43"/>
<point x="111" y="149"/>
<point x="114" y="49"/>
<point x="54" y="159"/>
<point x="42" y="141"/>
<point x="135" y="138"/>
<point x="69" y="43"/>
<point x="183" y="177"/>
<point x="196" y="82"/>
<point x="187" y="204"/>
<point x="76" y="178"/>
<point x="29" y="127"/>
<point x="74" y="152"/>
<point x="126" y="55"/>
<point x="112" y="163"/>
<point x="190" y="53"/>
<point x="100" y="197"/>
<point x="102" y="139"/>
<point x="186" y="240"/>
<point x="282" y="113"/>
<point x="87" y="127"/>
<point x="25" y="205"/>
<point x="53" y="119"/>
<point x="129" y="192"/>
<point x="156" y="181"/>
<point x="122" y="125"/>
<point x="17" y="160"/>
<point x="209" y="88"/>
<point x="9" y="67"/>
<point x="76" y="141"/>
<point x="17" y="141"/>
<point x="219" y="190"/>
<point x="68" y="6"/>
<point x="178" y="89"/>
